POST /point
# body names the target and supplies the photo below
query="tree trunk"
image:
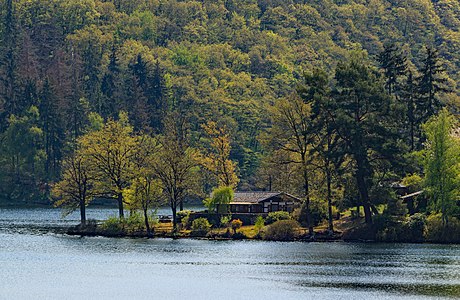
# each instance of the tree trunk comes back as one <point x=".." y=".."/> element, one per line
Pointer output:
<point x="181" y="205"/>
<point x="307" y="197"/>
<point x="174" y="213"/>
<point x="363" y="192"/>
<point x="147" y="224"/>
<point x="329" y="199"/>
<point x="120" y="205"/>
<point x="82" y="212"/>
<point x="412" y="138"/>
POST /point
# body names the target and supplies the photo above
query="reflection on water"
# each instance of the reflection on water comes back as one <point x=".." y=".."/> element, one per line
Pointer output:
<point x="51" y="266"/>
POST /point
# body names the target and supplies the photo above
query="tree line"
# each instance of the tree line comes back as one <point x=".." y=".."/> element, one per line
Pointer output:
<point x="232" y="73"/>
<point x="225" y="60"/>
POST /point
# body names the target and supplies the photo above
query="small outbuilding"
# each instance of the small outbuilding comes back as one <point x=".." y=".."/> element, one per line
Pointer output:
<point x="263" y="202"/>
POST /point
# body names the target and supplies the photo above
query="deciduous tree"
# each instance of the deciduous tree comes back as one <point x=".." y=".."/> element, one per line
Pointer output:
<point x="217" y="159"/>
<point x="441" y="158"/>
<point x="111" y="150"/>
<point x="77" y="187"/>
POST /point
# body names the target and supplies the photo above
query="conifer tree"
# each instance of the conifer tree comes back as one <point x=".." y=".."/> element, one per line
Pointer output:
<point x="394" y="66"/>
<point x="53" y="133"/>
<point x="364" y="119"/>
<point x="110" y="85"/>
<point x="324" y="140"/>
<point x="8" y="65"/>
<point x="430" y="83"/>
<point x="409" y="96"/>
<point x="157" y="101"/>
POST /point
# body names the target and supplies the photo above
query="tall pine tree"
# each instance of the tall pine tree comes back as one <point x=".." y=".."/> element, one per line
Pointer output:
<point x="430" y="84"/>
<point x="394" y="66"/>
<point x="363" y="118"/>
<point x="53" y="132"/>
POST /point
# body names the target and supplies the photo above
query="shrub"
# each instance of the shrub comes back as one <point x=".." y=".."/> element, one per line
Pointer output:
<point x="277" y="216"/>
<point x="318" y="210"/>
<point x="395" y="207"/>
<point x="282" y="230"/>
<point x="415" y="228"/>
<point x="200" y="227"/>
<point x="393" y="229"/>
<point x="113" y="226"/>
<point x="318" y="213"/>
<point x="184" y="218"/>
<point x="437" y="232"/>
<point x="225" y="221"/>
<point x="236" y="224"/>
<point x="135" y="222"/>
<point x="259" y="224"/>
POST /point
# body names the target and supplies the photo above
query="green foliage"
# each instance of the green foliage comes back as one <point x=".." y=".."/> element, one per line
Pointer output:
<point x="225" y="221"/>
<point x="437" y="232"/>
<point x="184" y="217"/>
<point x="395" y="207"/>
<point x="441" y="161"/>
<point x="411" y="229"/>
<point x="220" y="199"/>
<point x="277" y="216"/>
<point x="318" y="210"/>
<point x="318" y="213"/>
<point x="282" y="230"/>
<point x="135" y="222"/>
<point x="114" y="226"/>
<point x="259" y="224"/>
<point x="414" y="182"/>
<point x="200" y="227"/>
<point x="416" y="227"/>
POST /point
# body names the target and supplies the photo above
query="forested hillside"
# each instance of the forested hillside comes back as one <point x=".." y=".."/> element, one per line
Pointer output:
<point x="64" y="63"/>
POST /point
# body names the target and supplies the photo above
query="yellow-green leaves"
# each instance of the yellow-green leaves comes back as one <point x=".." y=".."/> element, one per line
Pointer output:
<point x="441" y="159"/>
<point x="217" y="160"/>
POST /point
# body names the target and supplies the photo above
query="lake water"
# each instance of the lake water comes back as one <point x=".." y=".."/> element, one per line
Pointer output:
<point x="39" y="265"/>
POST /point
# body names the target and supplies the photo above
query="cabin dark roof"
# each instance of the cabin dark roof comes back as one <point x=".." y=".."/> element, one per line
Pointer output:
<point x="257" y="197"/>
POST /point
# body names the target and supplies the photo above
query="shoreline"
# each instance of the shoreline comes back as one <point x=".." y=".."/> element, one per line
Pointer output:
<point x="319" y="237"/>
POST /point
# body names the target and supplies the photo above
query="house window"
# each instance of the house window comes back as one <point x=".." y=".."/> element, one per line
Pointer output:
<point x="274" y="207"/>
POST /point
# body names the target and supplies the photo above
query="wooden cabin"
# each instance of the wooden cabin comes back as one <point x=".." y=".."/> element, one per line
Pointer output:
<point x="263" y="202"/>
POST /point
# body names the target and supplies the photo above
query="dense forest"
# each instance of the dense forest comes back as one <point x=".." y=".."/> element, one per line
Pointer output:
<point x="322" y="99"/>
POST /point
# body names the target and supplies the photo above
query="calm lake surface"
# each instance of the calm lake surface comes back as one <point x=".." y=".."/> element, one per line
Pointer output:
<point x="35" y="264"/>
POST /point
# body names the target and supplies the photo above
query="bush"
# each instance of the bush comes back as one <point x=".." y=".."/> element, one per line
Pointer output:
<point x="400" y="229"/>
<point x="113" y="226"/>
<point x="259" y="224"/>
<point x="318" y="213"/>
<point x="415" y="228"/>
<point x="277" y="216"/>
<point x="225" y="221"/>
<point x="438" y="233"/>
<point x="135" y="222"/>
<point x="184" y="218"/>
<point x="318" y="210"/>
<point x="200" y="227"/>
<point x="282" y="230"/>
<point x="236" y="224"/>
